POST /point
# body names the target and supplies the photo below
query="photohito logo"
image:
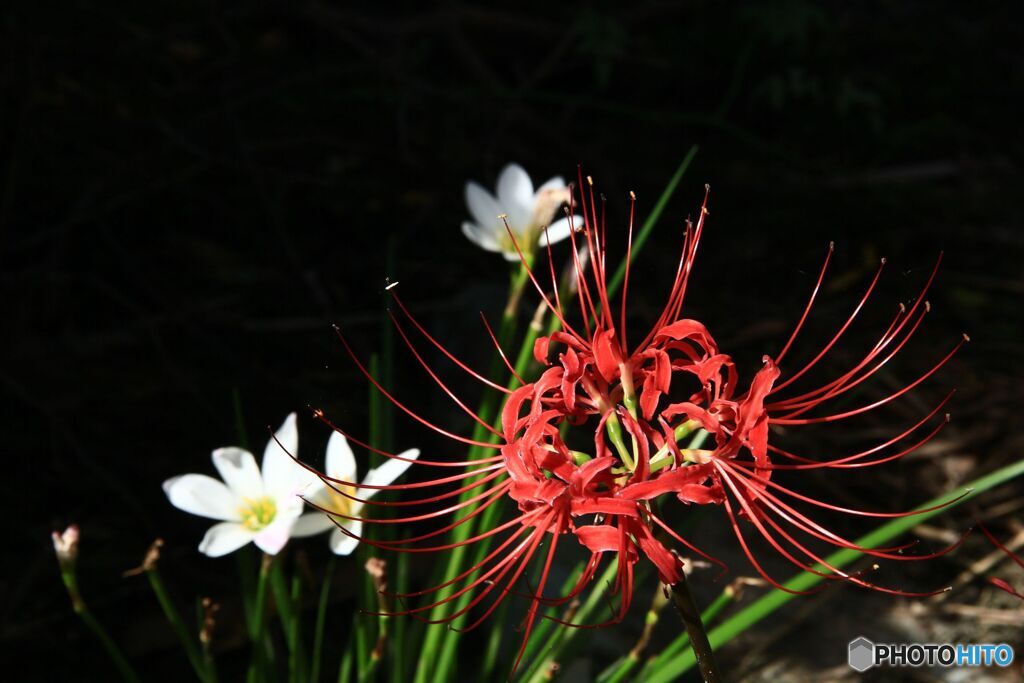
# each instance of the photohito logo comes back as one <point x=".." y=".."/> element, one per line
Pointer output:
<point x="864" y="654"/>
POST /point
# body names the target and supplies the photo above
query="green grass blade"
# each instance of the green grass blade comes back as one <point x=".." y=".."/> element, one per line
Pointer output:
<point x="761" y="608"/>
<point x="652" y="218"/>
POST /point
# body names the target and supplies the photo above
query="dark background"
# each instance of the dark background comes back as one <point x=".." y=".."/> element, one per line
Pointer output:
<point x="192" y="193"/>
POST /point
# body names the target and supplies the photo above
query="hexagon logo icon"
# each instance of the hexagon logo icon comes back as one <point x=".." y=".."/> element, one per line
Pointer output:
<point x="862" y="654"/>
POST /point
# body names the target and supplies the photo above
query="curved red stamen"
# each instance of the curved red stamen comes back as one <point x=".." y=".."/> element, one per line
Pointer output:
<point x="402" y="406"/>
<point x="440" y="347"/>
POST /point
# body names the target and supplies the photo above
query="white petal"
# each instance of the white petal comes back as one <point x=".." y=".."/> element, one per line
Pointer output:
<point x="311" y="524"/>
<point x="513" y="255"/>
<point x="271" y="539"/>
<point x="515" y="196"/>
<point x="283" y="478"/>
<point x="386" y="473"/>
<point x="238" y="469"/>
<point x="483" y="207"/>
<point x="480" y="237"/>
<point x="556" y="183"/>
<point x="559" y="230"/>
<point x="224" y="538"/>
<point x="342" y="543"/>
<point x="202" y="495"/>
<point x="341" y="464"/>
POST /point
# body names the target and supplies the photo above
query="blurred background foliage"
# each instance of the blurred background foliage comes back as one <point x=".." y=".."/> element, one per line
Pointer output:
<point x="191" y="193"/>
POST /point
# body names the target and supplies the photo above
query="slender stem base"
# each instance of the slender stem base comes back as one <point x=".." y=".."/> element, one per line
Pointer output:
<point x="690" y="615"/>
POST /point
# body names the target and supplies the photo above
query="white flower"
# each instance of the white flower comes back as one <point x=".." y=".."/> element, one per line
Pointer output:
<point x="341" y="464"/>
<point x="255" y="506"/>
<point x="527" y="212"/>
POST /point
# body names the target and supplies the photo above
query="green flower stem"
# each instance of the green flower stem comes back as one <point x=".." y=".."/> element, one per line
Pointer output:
<point x="362" y="641"/>
<point x="70" y="579"/>
<point x="321" y="618"/>
<point x="688" y="612"/>
<point x="614" y="429"/>
<point x="493" y="648"/>
<point x="113" y="651"/>
<point x="539" y="638"/>
<point x="488" y="411"/>
<point x="377" y="569"/>
<point x="761" y="608"/>
<point x="563" y="637"/>
<point x="187" y="640"/>
<point x="286" y="612"/>
<point x="366" y="632"/>
<point x="435" y="634"/>
<point x="296" y="661"/>
<point x="261" y="650"/>
<point x="488" y="518"/>
<point x="398" y="663"/>
<point x="345" y="669"/>
<point x="206" y="609"/>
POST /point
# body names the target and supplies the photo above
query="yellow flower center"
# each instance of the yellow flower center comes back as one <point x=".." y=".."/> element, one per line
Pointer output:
<point x="339" y="503"/>
<point x="257" y="513"/>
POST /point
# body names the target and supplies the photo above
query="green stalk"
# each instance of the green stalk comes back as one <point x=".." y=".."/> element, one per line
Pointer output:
<point x="261" y="650"/>
<point x="398" y="666"/>
<point x="493" y="648"/>
<point x="760" y="609"/>
<point x="366" y="628"/>
<point x="539" y="638"/>
<point x="362" y="645"/>
<point x="206" y="610"/>
<point x="70" y="579"/>
<point x="296" y="662"/>
<point x="287" y="615"/>
<point x="563" y="637"/>
<point x="188" y="642"/>
<point x="345" y="669"/>
<point x="436" y="633"/>
<point x="321" y="618"/>
<point x="487" y="413"/>
<point x="113" y="651"/>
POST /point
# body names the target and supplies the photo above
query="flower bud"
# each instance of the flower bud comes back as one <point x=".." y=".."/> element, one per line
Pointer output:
<point x="66" y="545"/>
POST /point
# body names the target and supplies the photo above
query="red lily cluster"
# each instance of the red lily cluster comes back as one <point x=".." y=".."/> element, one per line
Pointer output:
<point x="624" y="409"/>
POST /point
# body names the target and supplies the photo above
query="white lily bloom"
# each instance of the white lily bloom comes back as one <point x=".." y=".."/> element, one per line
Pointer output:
<point x="527" y="212"/>
<point x="341" y="464"/>
<point x="255" y="506"/>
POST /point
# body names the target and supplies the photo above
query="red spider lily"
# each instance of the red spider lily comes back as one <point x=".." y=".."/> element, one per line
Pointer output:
<point x="620" y="399"/>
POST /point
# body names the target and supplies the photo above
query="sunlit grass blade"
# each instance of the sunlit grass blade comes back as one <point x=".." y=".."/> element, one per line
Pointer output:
<point x="764" y="606"/>
<point x="652" y="218"/>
